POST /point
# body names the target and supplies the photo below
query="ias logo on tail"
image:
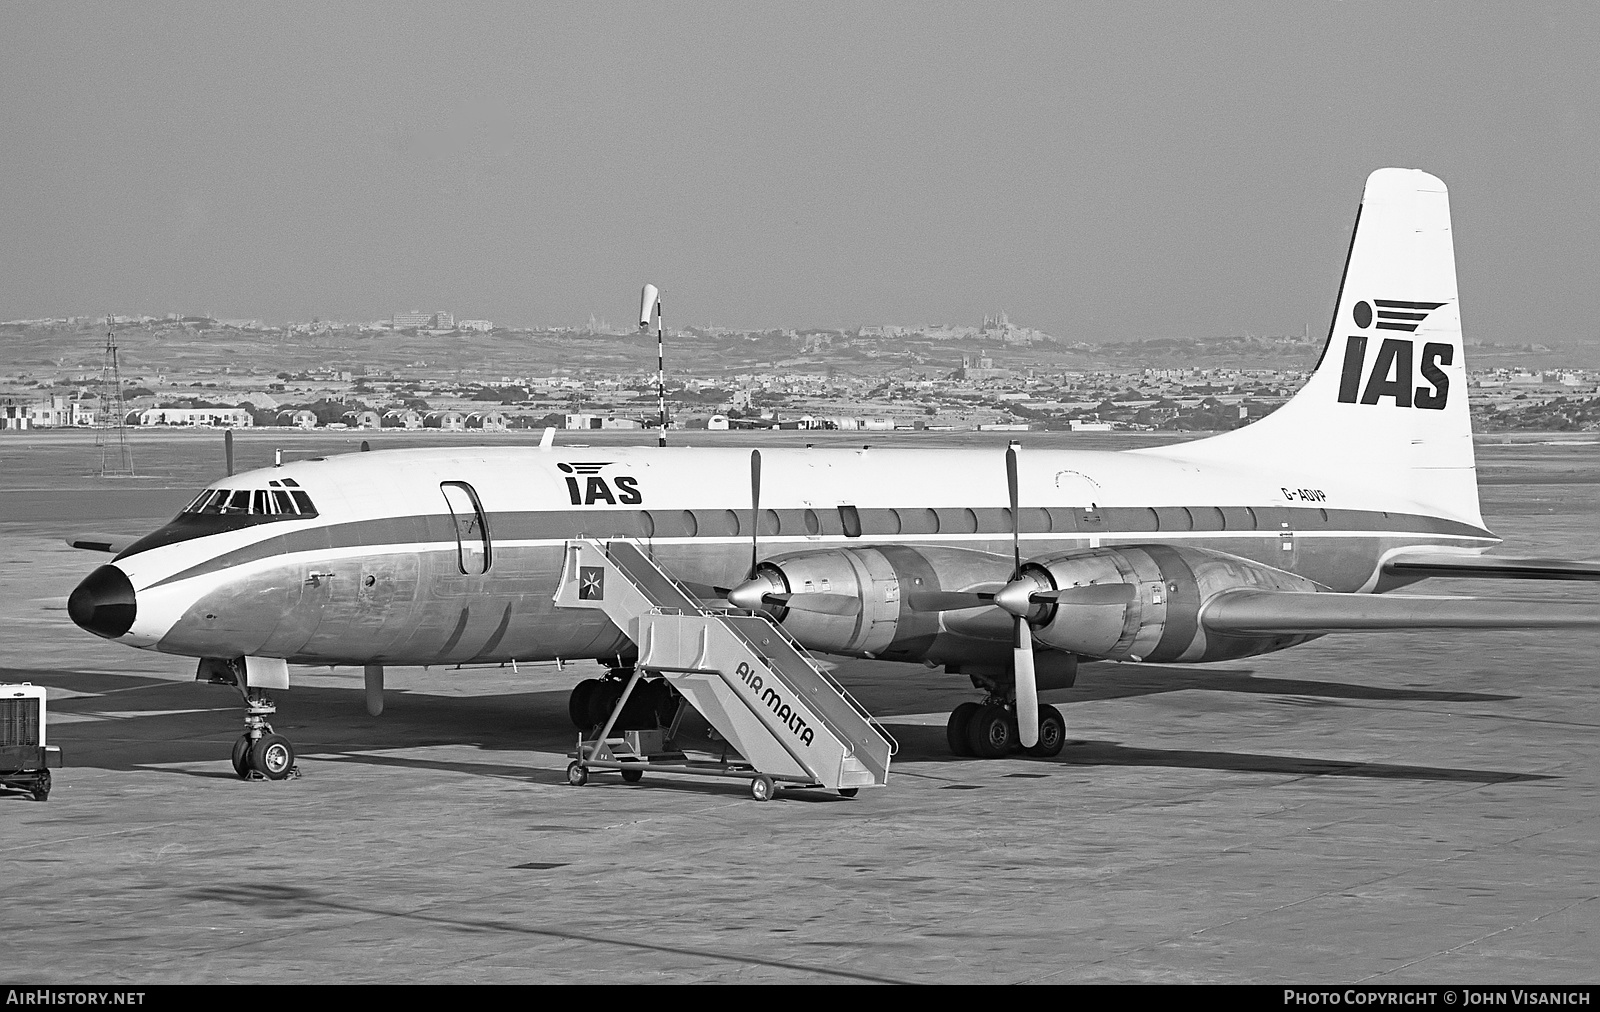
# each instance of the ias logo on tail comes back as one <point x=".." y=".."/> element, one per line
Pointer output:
<point x="1391" y="373"/>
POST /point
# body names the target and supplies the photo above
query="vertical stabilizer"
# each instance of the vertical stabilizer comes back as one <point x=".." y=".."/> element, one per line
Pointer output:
<point x="1387" y="401"/>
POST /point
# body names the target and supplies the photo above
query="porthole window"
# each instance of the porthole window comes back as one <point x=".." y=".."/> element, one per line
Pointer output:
<point x="771" y="525"/>
<point x="647" y="524"/>
<point x="691" y="526"/>
<point x="813" y="524"/>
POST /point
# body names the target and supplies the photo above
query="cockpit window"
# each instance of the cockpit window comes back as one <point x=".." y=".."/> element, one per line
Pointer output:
<point x="275" y="501"/>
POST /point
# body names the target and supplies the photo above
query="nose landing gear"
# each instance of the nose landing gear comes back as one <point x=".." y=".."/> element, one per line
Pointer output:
<point x="260" y="753"/>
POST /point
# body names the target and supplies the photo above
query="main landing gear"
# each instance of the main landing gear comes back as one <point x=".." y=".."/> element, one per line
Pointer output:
<point x="653" y="703"/>
<point x="988" y="730"/>
<point x="260" y="753"/>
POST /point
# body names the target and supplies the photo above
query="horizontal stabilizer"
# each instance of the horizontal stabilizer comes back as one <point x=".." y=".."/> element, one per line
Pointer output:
<point x="1272" y="612"/>
<point x="1492" y="567"/>
<point x="99" y="543"/>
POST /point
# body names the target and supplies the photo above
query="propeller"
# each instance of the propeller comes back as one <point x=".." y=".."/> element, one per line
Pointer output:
<point x="760" y="591"/>
<point x="1027" y="686"/>
<point x="755" y="509"/>
<point x="1090" y="594"/>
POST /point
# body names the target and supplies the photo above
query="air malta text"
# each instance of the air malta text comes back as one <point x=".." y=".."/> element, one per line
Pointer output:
<point x="1391" y="373"/>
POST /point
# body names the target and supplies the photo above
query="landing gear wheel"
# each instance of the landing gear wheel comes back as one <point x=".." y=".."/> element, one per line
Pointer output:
<point x="602" y="700"/>
<point x="578" y="702"/>
<point x="272" y="756"/>
<point x="763" y="788"/>
<point x="849" y="792"/>
<point x="577" y="774"/>
<point x="41" y="787"/>
<point x="241" y="757"/>
<point x="992" y="733"/>
<point x="1052" y="734"/>
<point x="632" y="776"/>
<point x="955" y="732"/>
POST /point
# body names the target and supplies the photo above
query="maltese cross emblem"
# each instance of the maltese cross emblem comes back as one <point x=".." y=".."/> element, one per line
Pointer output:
<point x="591" y="583"/>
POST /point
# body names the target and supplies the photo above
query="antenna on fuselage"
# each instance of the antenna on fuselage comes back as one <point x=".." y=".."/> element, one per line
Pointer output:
<point x="650" y="300"/>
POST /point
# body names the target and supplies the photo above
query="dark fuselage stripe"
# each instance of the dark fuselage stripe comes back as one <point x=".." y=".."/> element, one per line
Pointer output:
<point x="979" y="523"/>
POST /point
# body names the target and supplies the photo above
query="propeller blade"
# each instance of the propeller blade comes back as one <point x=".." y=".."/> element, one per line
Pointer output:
<point x="1016" y="521"/>
<point x="1092" y="594"/>
<point x="947" y="600"/>
<point x="705" y="591"/>
<point x="821" y="604"/>
<point x="1026" y="684"/>
<point x="755" y="508"/>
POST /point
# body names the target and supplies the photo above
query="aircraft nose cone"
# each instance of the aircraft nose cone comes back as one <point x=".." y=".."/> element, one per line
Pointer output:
<point x="104" y="603"/>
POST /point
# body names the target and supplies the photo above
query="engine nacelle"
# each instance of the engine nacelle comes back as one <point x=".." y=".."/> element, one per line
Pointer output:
<point x="881" y="579"/>
<point x="1161" y="622"/>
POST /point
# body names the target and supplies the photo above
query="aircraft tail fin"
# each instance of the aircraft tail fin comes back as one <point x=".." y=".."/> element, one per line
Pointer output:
<point x="1387" y="401"/>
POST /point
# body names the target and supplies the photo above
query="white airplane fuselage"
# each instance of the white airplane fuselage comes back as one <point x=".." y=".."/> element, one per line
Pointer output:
<point x="389" y="571"/>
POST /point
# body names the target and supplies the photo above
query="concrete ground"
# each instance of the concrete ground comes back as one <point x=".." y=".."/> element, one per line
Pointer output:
<point x="1385" y="809"/>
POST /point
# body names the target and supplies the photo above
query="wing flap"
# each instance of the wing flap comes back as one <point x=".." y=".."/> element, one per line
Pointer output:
<point x="1273" y="612"/>
<point x="1490" y="567"/>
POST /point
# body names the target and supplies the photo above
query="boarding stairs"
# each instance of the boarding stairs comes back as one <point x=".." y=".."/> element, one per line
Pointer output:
<point x="762" y="692"/>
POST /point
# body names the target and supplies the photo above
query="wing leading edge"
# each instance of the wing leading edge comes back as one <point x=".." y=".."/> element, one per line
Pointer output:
<point x="1274" y="612"/>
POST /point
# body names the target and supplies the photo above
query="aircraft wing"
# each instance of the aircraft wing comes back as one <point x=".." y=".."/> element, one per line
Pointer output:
<point x="1275" y="611"/>
<point x="1490" y="567"/>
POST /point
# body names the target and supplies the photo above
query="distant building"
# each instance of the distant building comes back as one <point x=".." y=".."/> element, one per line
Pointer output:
<point x="237" y="418"/>
<point x="481" y="326"/>
<point x="50" y="411"/>
<point x="449" y="421"/>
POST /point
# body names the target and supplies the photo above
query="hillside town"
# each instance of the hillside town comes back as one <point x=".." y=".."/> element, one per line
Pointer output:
<point x="430" y="370"/>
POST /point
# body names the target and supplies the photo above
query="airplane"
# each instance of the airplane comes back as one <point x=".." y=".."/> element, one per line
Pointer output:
<point x="1006" y="569"/>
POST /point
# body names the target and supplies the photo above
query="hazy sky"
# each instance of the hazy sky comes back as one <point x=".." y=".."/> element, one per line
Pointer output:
<point x="1097" y="170"/>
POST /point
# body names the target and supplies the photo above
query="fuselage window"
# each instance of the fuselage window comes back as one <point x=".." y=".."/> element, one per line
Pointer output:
<point x="730" y="522"/>
<point x="473" y="548"/>
<point x="850" y="517"/>
<point x="1251" y="513"/>
<point x="813" y="525"/>
<point x="647" y="524"/>
<point x="891" y="521"/>
<point x="303" y="501"/>
<point x="771" y="525"/>
<point x="691" y="526"/>
<point x="260" y="502"/>
<point x="281" y="500"/>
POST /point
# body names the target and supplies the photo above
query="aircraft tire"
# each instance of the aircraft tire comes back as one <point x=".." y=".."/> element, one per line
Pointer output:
<point x="602" y="700"/>
<point x="849" y="792"/>
<point x="955" y="730"/>
<point x="578" y="702"/>
<point x="1052" y="734"/>
<point x="666" y="702"/>
<point x="992" y="732"/>
<point x="241" y="757"/>
<point x="577" y="774"/>
<point x="632" y="776"/>
<point x="272" y="756"/>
